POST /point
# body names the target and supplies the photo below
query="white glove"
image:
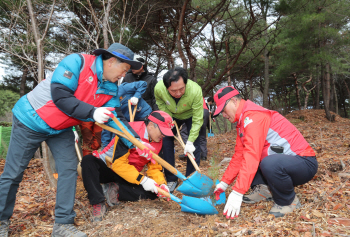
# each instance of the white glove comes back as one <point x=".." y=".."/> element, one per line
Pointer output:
<point x="134" y="100"/>
<point x="233" y="205"/>
<point x="220" y="188"/>
<point x="76" y="136"/>
<point x="149" y="184"/>
<point x="101" y="114"/>
<point x="189" y="148"/>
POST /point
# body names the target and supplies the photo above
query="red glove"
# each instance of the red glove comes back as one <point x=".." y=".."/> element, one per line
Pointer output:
<point x="146" y="152"/>
<point x="220" y="188"/>
<point x="165" y="188"/>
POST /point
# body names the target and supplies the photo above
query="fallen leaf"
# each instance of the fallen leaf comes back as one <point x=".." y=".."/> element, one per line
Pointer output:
<point x="317" y="213"/>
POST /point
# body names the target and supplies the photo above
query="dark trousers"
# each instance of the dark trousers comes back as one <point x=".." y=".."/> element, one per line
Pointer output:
<point x="168" y="151"/>
<point x="282" y="172"/>
<point x="23" y="144"/>
<point x="95" y="171"/>
<point x="202" y="133"/>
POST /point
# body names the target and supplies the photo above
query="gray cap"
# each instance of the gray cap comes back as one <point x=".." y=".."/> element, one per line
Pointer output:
<point x="121" y="52"/>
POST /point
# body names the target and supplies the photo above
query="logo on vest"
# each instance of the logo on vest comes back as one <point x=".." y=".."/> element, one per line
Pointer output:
<point x="247" y="121"/>
<point x="90" y="79"/>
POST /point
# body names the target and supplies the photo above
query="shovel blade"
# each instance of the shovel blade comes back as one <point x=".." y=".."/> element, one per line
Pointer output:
<point x="198" y="206"/>
<point x="197" y="185"/>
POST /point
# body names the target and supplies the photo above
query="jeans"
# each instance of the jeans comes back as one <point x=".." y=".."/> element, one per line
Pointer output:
<point x="23" y="144"/>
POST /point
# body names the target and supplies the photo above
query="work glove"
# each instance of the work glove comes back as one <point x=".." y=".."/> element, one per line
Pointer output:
<point x="149" y="184"/>
<point x="134" y="100"/>
<point x="102" y="114"/>
<point x="189" y="148"/>
<point x="233" y="205"/>
<point x="146" y="152"/>
<point x="165" y="188"/>
<point x="220" y="188"/>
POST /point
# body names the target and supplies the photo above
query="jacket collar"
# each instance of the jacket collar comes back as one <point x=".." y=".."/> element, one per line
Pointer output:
<point x="239" y="110"/>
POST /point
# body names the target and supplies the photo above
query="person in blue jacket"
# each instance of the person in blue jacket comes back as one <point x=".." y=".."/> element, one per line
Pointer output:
<point x="129" y="91"/>
<point x="82" y="88"/>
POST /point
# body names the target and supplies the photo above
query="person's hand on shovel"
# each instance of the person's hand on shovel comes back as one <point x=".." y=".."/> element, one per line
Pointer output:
<point x="220" y="188"/>
<point x="102" y="114"/>
<point x="165" y="188"/>
<point x="134" y="100"/>
<point x="189" y="148"/>
<point x="146" y="152"/>
<point x="233" y="205"/>
<point x="149" y="184"/>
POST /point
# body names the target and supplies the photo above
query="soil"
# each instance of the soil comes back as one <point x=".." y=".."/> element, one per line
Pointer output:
<point x="325" y="199"/>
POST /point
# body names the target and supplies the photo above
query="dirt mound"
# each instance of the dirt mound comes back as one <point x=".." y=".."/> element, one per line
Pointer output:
<point x="312" y="115"/>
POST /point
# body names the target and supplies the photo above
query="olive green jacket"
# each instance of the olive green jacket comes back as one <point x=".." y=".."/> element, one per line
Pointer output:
<point x="189" y="105"/>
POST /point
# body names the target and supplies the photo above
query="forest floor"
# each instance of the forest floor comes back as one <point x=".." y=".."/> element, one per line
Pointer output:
<point x="325" y="200"/>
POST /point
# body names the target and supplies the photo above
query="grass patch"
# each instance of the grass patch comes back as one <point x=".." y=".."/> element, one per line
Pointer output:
<point x="5" y="141"/>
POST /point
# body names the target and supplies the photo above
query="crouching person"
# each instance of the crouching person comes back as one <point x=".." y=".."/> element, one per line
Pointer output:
<point x="271" y="156"/>
<point x="122" y="179"/>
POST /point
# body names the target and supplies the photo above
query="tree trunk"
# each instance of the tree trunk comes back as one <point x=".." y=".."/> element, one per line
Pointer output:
<point x="267" y="80"/>
<point x="332" y="93"/>
<point x="326" y="93"/>
<point x="105" y="25"/>
<point x="23" y="82"/>
<point x="317" y="102"/>
<point x="178" y="39"/>
<point x="335" y="98"/>
<point x="39" y="38"/>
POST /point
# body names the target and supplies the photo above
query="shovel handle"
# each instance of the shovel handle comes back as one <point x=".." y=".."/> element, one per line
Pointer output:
<point x="138" y="144"/>
<point x="130" y="111"/>
<point x="209" y="122"/>
<point x="179" y="139"/>
<point x="134" y="113"/>
<point x="78" y="151"/>
<point x="164" y="193"/>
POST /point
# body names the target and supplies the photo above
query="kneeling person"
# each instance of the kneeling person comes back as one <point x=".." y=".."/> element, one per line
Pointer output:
<point x="122" y="180"/>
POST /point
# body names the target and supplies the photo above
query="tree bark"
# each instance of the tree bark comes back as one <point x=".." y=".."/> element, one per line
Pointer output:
<point x="180" y="32"/>
<point x="297" y="90"/>
<point x="317" y="102"/>
<point x="39" y="39"/>
<point x="105" y="25"/>
<point x="326" y="93"/>
<point x="23" y="82"/>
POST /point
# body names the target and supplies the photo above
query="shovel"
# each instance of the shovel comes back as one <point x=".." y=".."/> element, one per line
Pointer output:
<point x="210" y="134"/>
<point x="201" y="206"/>
<point x="191" y="204"/>
<point x="196" y="176"/>
<point x="196" y="185"/>
<point x="132" y="114"/>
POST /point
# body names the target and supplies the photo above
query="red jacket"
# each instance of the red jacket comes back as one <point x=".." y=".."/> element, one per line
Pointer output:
<point x="128" y="164"/>
<point x="86" y="92"/>
<point x="258" y="129"/>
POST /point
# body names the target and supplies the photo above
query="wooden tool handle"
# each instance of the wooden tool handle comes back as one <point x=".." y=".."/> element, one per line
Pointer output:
<point x="209" y="122"/>
<point x="134" y="113"/>
<point x="78" y="151"/>
<point x="179" y="139"/>
<point x="130" y="111"/>
<point x="164" y="193"/>
<point x="138" y="144"/>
